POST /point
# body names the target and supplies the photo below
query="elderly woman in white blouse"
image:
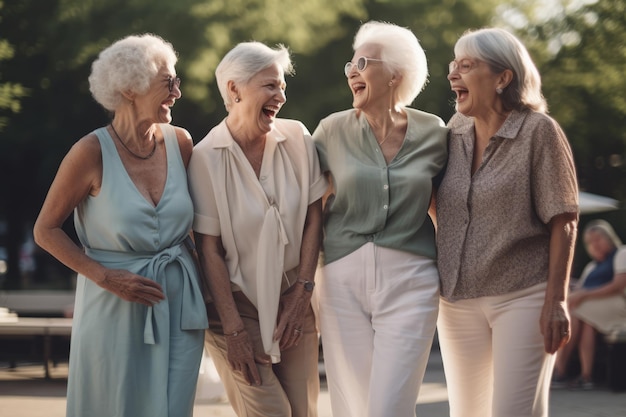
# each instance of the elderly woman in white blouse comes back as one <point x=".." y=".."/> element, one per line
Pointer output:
<point x="256" y="185"/>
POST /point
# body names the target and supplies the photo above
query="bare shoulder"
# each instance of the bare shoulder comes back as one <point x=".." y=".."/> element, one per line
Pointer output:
<point x="185" y="143"/>
<point x="84" y="160"/>
<point x="86" y="153"/>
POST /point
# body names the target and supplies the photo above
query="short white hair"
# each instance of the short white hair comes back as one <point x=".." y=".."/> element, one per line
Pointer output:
<point x="246" y="60"/>
<point x="401" y="54"/>
<point x="130" y="64"/>
<point x="501" y="50"/>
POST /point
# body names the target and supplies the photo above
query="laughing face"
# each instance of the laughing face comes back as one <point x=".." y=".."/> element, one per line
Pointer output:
<point x="155" y="105"/>
<point x="475" y="86"/>
<point x="262" y="97"/>
<point x="369" y="86"/>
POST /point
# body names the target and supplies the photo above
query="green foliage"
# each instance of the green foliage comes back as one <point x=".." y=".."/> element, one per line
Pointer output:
<point x="10" y="93"/>
<point x="582" y="63"/>
<point x="320" y="87"/>
<point x="46" y="50"/>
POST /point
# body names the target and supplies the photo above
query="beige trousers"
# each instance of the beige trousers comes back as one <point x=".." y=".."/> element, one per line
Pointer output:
<point x="289" y="388"/>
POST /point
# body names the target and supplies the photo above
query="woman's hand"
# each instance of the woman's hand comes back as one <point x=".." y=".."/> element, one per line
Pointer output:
<point x="293" y="307"/>
<point x="132" y="287"/>
<point x="555" y="325"/>
<point x="241" y="357"/>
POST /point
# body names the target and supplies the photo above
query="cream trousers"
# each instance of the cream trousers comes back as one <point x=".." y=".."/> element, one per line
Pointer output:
<point x="493" y="355"/>
<point x="378" y="313"/>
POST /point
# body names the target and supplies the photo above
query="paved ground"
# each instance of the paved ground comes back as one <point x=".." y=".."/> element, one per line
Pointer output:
<point x="25" y="393"/>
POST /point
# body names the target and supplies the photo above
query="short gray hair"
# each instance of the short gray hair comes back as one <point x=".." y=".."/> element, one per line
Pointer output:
<point x="401" y="54"/>
<point x="605" y="229"/>
<point x="130" y="64"/>
<point x="501" y="50"/>
<point x="246" y="60"/>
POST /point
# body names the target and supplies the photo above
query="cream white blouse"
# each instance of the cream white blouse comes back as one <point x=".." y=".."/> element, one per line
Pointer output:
<point x="260" y="220"/>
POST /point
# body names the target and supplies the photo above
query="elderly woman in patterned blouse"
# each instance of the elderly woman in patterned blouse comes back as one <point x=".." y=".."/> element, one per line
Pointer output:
<point x="507" y="214"/>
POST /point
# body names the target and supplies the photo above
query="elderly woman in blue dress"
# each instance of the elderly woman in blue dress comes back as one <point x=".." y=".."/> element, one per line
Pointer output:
<point x="139" y="316"/>
<point x="379" y="287"/>
<point x="597" y="304"/>
<point x="256" y="185"/>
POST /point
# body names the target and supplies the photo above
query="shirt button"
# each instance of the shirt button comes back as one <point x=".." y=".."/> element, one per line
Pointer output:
<point x="263" y="178"/>
<point x="385" y="206"/>
<point x="385" y="187"/>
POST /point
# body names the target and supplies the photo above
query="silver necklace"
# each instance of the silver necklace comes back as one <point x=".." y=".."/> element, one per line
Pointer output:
<point x="133" y="153"/>
<point x="387" y="136"/>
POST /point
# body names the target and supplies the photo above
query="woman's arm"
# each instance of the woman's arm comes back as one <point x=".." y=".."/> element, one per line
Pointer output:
<point x="80" y="175"/>
<point x="296" y="302"/>
<point x="554" y="322"/>
<point x="616" y="286"/>
<point x="432" y="208"/>
<point x="240" y="351"/>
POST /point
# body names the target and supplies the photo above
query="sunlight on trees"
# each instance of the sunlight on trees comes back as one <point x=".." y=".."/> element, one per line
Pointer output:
<point x="47" y="47"/>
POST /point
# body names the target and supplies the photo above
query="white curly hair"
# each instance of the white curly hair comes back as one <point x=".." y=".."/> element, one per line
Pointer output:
<point x="401" y="54"/>
<point x="130" y="64"/>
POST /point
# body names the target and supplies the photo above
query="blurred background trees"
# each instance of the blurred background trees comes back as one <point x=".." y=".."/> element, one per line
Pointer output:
<point x="46" y="50"/>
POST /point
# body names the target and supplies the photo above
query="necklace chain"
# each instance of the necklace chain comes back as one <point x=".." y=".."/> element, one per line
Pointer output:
<point x="387" y="136"/>
<point x="154" y="146"/>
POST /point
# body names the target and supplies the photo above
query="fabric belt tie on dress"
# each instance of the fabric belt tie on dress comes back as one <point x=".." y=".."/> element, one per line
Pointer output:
<point x="152" y="265"/>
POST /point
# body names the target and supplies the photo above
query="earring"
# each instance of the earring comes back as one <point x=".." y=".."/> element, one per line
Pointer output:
<point x="499" y="90"/>
<point x="237" y="100"/>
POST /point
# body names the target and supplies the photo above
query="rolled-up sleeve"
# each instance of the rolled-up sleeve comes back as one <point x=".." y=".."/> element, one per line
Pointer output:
<point x="319" y="184"/>
<point x="554" y="186"/>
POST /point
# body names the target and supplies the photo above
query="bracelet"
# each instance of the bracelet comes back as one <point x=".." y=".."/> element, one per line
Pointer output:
<point x="235" y="333"/>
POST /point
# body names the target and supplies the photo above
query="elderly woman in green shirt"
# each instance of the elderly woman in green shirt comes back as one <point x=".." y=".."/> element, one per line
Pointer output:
<point x="379" y="287"/>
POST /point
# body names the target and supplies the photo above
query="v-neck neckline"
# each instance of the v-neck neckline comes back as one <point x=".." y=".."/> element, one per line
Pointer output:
<point x="130" y="179"/>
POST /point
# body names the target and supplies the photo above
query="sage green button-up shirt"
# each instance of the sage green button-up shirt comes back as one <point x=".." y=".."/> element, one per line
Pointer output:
<point x="376" y="202"/>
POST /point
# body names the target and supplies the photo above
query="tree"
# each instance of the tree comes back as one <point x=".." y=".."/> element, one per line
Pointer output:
<point x="52" y="45"/>
<point x="321" y="86"/>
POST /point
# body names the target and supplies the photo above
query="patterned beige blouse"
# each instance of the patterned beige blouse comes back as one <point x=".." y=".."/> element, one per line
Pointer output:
<point x="493" y="236"/>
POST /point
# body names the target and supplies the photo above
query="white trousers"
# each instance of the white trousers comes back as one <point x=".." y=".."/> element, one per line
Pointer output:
<point x="378" y="314"/>
<point x="493" y="355"/>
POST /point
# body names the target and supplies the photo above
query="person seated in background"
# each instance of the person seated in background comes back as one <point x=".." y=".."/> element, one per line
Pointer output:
<point x="598" y="304"/>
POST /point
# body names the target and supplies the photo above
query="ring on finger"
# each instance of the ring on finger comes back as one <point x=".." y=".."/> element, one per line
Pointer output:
<point x="297" y="331"/>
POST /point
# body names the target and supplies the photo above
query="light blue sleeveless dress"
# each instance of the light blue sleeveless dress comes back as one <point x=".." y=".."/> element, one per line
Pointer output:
<point x="126" y="359"/>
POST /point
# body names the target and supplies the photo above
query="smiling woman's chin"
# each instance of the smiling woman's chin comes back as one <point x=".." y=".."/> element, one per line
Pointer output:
<point x="165" y="116"/>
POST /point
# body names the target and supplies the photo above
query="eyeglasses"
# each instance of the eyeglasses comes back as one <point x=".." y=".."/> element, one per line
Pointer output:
<point x="173" y="81"/>
<point x="463" y="66"/>
<point x="361" y="65"/>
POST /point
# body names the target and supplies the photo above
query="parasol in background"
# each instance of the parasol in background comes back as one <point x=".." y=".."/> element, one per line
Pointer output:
<point x="593" y="203"/>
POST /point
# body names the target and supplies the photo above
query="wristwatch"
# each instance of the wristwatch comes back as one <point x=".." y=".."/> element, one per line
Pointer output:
<point x="308" y="285"/>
